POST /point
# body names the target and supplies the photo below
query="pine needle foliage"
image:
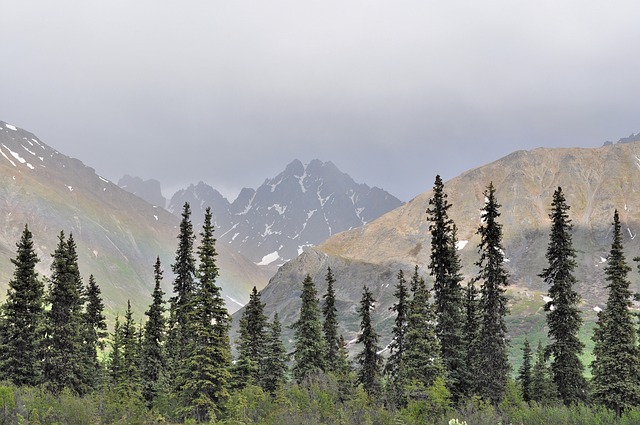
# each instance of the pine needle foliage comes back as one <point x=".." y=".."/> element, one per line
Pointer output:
<point x="308" y="355"/>
<point x="330" y="323"/>
<point x="369" y="361"/>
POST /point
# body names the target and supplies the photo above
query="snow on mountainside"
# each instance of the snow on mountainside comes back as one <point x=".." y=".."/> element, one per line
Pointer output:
<point x="299" y="208"/>
<point x="118" y="235"/>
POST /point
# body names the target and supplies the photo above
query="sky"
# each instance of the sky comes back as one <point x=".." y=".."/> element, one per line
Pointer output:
<point x="393" y="93"/>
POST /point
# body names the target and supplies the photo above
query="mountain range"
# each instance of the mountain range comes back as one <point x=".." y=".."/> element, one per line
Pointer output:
<point x="118" y="234"/>
<point x="595" y="182"/>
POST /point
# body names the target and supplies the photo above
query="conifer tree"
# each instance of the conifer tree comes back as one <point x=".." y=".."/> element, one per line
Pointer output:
<point x="206" y="375"/>
<point x="368" y="359"/>
<point x="470" y="335"/>
<point x="22" y="318"/>
<point x="395" y="367"/>
<point x="524" y="374"/>
<point x="563" y="316"/>
<point x="330" y="324"/>
<point x="423" y="362"/>
<point x="153" y="354"/>
<point x="447" y="291"/>
<point x="116" y="366"/>
<point x="616" y="365"/>
<point x="309" y="341"/>
<point x="543" y="390"/>
<point x="95" y="331"/>
<point x="64" y="353"/>
<point x="275" y="360"/>
<point x="131" y="384"/>
<point x="493" y="364"/>
<point x="184" y="284"/>
<point x="250" y="343"/>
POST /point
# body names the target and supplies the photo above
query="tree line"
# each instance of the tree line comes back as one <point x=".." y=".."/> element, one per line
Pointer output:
<point x="449" y="342"/>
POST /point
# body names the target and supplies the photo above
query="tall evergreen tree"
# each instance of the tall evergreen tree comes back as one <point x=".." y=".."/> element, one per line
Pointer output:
<point x="116" y="366"/>
<point x="395" y="367"/>
<point x="63" y="357"/>
<point x="448" y="295"/>
<point x="309" y="341"/>
<point x="368" y="359"/>
<point x="330" y="324"/>
<point x="251" y="342"/>
<point x="206" y="376"/>
<point x="423" y="362"/>
<point x="131" y="384"/>
<point x="470" y="334"/>
<point x="22" y="318"/>
<point x="153" y="354"/>
<point x="275" y="360"/>
<point x="493" y="364"/>
<point x="563" y="316"/>
<point x="95" y="331"/>
<point x="184" y="284"/>
<point x="616" y="365"/>
<point x="524" y="374"/>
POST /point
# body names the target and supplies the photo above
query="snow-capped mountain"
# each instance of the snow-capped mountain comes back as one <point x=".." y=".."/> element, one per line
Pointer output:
<point x="118" y="235"/>
<point x="299" y="208"/>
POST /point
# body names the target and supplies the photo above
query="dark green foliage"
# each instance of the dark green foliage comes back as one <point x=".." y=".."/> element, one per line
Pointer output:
<point x="22" y="318"/>
<point x="369" y="361"/>
<point x="616" y="367"/>
<point x="395" y="366"/>
<point x="130" y="383"/>
<point x="251" y="342"/>
<point x="205" y="376"/>
<point x="64" y="352"/>
<point x="524" y="374"/>
<point x="563" y="316"/>
<point x="423" y="363"/>
<point x="330" y="324"/>
<point x="95" y="331"/>
<point x="153" y="354"/>
<point x="543" y="389"/>
<point x="470" y="334"/>
<point x="448" y="295"/>
<point x="184" y="284"/>
<point x="493" y="364"/>
<point x="309" y="350"/>
<point x="115" y="366"/>
<point x="275" y="359"/>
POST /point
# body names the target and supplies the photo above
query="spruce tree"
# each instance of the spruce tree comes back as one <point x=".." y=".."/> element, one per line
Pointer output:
<point x="115" y="365"/>
<point x="184" y="284"/>
<point x="563" y="316"/>
<point x="470" y="335"/>
<point x="95" y="331"/>
<point x="330" y="324"/>
<point x="493" y="364"/>
<point x="447" y="291"/>
<point x="206" y="373"/>
<point x="368" y="359"/>
<point x="616" y="365"/>
<point x="251" y="343"/>
<point x="395" y="367"/>
<point x="131" y="384"/>
<point x="543" y="389"/>
<point x="153" y="354"/>
<point x="309" y="350"/>
<point x="524" y="374"/>
<point x="64" y="352"/>
<point x="275" y="359"/>
<point x="22" y="318"/>
<point x="423" y="362"/>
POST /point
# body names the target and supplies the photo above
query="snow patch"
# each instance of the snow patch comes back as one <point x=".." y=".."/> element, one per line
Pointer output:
<point x="461" y="244"/>
<point x="280" y="209"/>
<point x="603" y="260"/>
<point x="597" y="309"/>
<point x="269" y="258"/>
<point x="11" y="127"/>
<point x="104" y="180"/>
<point x="30" y="166"/>
<point x="15" y="155"/>
<point x="8" y="159"/>
<point x="156" y="217"/>
<point x="235" y="302"/>
<point x="95" y="253"/>
<point x="301" y="181"/>
<point x="70" y="188"/>
<point x="631" y="235"/>
<point x="546" y="299"/>
<point x="27" y="149"/>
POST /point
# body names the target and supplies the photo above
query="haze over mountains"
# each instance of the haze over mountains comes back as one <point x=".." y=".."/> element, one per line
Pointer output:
<point x="595" y="182"/>
<point x="298" y="208"/>
<point x="118" y="234"/>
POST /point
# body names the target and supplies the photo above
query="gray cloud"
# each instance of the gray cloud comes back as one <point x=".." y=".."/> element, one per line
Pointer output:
<point x="230" y="92"/>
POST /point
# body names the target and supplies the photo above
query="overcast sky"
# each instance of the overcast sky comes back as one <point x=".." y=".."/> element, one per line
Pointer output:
<point x="392" y="92"/>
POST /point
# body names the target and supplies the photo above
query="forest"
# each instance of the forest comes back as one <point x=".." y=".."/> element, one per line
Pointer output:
<point x="447" y="362"/>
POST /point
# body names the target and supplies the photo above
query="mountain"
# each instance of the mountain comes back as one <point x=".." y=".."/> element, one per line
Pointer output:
<point x="595" y="182"/>
<point x="297" y="209"/>
<point x="118" y="234"/>
<point x="149" y="190"/>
